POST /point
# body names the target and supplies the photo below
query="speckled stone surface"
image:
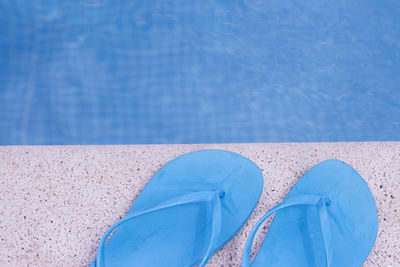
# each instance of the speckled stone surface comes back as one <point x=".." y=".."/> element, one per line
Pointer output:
<point x="57" y="201"/>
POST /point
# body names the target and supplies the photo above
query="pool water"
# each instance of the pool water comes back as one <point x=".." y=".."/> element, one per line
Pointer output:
<point x="121" y="71"/>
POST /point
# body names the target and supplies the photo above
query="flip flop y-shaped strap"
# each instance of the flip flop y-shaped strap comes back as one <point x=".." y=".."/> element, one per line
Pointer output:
<point x="308" y="200"/>
<point x="212" y="197"/>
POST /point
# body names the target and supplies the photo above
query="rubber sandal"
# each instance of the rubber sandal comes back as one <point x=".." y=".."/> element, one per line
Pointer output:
<point x="329" y="218"/>
<point x="189" y="209"/>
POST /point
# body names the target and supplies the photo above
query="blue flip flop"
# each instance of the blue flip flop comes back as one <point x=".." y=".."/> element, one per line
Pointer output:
<point x="190" y="208"/>
<point x="329" y="218"/>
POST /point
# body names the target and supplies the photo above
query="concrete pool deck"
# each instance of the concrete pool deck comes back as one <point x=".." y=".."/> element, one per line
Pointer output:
<point x="57" y="201"/>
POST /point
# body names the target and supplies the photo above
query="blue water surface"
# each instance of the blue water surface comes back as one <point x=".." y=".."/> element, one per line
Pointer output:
<point x="123" y="71"/>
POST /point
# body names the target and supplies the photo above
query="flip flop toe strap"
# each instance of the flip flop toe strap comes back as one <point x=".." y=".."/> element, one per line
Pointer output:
<point x="211" y="197"/>
<point x="320" y="202"/>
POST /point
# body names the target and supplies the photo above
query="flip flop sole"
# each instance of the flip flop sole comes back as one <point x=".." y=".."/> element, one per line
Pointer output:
<point x="179" y="236"/>
<point x="295" y="236"/>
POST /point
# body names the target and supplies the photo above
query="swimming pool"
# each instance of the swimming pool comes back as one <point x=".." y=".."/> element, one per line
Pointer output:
<point x="120" y="72"/>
